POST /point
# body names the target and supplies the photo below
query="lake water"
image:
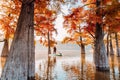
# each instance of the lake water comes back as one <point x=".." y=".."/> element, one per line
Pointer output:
<point x="71" y="66"/>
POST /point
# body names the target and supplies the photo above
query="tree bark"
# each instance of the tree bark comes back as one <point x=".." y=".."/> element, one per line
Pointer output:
<point x="117" y="45"/>
<point x="5" y="49"/>
<point x="82" y="46"/>
<point x="100" y="55"/>
<point x="101" y="59"/>
<point x="107" y="44"/>
<point x="20" y="63"/>
<point x="111" y="46"/>
<point x="49" y="49"/>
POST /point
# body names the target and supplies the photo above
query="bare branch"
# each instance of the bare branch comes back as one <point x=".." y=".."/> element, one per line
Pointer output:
<point x="87" y="4"/>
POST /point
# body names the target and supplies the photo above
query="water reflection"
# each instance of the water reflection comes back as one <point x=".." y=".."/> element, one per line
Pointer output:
<point x="118" y="67"/>
<point x="114" y="70"/>
<point x="77" y="68"/>
<point x="46" y="69"/>
<point x="72" y="68"/>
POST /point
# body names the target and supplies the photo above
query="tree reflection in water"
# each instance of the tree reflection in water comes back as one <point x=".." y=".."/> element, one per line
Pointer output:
<point x="115" y="68"/>
<point x="46" y="69"/>
<point x="73" y="68"/>
<point x="80" y="70"/>
<point x="118" y="67"/>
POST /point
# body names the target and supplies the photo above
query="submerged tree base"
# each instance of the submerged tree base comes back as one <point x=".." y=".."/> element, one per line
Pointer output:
<point x="104" y="69"/>
<point x="31" y="78"/>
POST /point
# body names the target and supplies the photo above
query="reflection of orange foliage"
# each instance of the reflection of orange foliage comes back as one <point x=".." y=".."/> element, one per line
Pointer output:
<point x="75" y="70"/>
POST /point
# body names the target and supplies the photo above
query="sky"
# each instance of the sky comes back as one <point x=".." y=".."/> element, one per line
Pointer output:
<point x="59" y="22"/>
<point x="59" y="26"/>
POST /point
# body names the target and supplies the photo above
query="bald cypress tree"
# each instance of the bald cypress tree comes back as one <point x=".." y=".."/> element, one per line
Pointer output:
<point x="20" y="63"/>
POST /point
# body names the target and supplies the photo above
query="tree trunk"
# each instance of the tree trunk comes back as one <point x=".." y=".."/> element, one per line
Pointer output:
<point x="117" y="45"/>
<point x="111" y="46"/>
<point x="20" y="63"/>
<point x="49" y="49"/>
<point x="100" y="55"/>
<point x="82" y="46"/>
<point x="5" y="49"/>
<point x="101" y="59"/>
<point x="107" y="44"/>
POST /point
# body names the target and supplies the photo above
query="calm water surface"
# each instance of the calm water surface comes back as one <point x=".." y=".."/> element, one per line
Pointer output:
<point x="71" y="66"/>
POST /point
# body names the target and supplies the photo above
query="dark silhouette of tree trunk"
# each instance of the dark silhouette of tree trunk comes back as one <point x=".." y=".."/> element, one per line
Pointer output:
<point x="49" y="49"/>
<point x="117" y="45"/>
<point x="5" y="48"/>
<point x="100" y="55"/>
<point x="111" y="46"/>
<point x="20" y="64"/>
<point x="82" y="46"/>
<point x="107" y="44"/>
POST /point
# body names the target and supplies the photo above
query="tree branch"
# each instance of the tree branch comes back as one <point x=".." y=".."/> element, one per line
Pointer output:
<point x="91" y="34"/>
<point x="87" y="4"/>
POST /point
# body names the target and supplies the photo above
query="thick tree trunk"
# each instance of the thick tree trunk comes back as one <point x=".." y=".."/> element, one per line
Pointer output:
<point x="20" y="63"/>
<point x="117" y="45"/>
<point x="101" y="59"/>
<point x="100" y="55"/>
<point x="111" y="46"/>
<point x="5" y="49"/>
